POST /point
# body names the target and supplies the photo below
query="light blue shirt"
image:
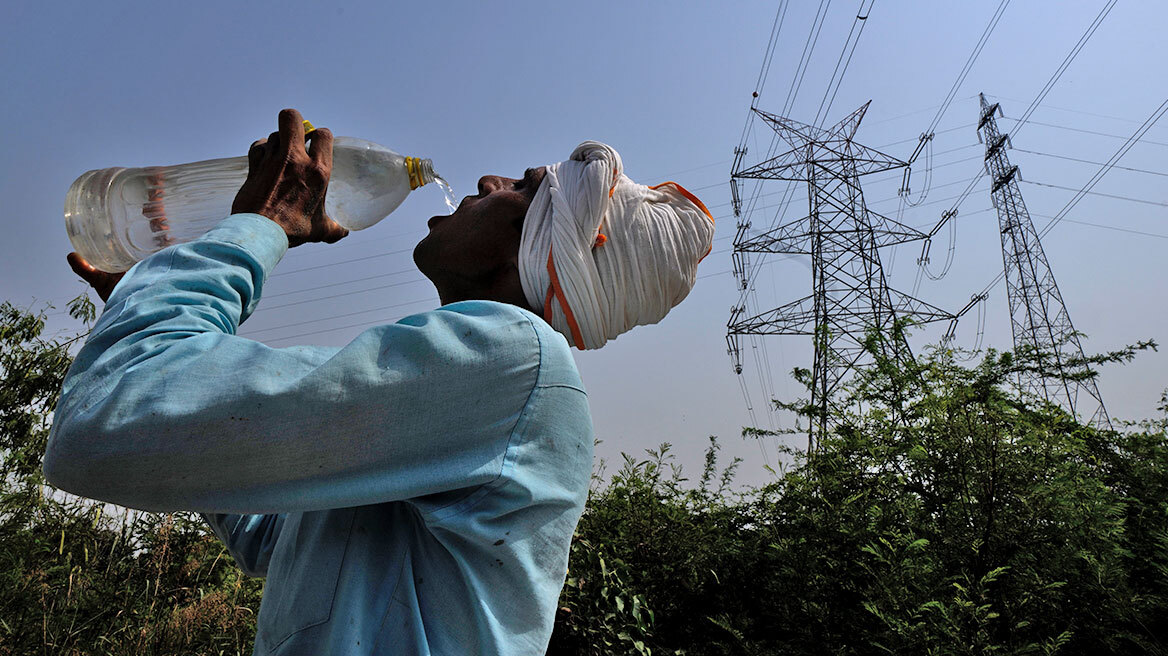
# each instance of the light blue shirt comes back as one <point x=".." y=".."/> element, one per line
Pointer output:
<point x="414" y="492"/>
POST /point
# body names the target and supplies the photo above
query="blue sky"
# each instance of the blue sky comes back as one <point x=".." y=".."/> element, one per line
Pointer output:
<point x="497" y="87"/>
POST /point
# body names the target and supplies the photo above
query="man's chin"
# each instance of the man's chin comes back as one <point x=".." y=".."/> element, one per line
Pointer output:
<point x="420" y="254"/>
<point x="427" y="259"/>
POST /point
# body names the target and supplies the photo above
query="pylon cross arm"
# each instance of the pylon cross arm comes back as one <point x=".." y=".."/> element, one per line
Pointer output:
<point x="794" y="318"/>
<point x="908" y="307"/>
<point x="793" y="237"/>
<point x="791" y="165"/>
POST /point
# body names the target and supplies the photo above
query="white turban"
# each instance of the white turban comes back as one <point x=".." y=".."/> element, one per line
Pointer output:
<point x="601" y="254"/>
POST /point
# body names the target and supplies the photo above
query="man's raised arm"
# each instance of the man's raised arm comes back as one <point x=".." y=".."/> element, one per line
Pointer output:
<point x="165" y="408"/>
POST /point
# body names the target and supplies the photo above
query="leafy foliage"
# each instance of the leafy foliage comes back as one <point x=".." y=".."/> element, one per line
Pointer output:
<point x="945" y="513"/>
<point x="82" y="578"/>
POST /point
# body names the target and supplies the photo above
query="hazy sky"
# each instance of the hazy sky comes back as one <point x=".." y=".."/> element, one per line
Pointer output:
<point x="496" y="87"/>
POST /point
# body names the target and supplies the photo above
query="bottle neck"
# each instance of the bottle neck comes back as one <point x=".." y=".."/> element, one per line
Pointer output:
<point x="421" y="172"/>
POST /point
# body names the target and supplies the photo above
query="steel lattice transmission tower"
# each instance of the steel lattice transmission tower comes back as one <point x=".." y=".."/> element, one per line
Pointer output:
<point x="850" y="296"/>
<point x="1038" y="316"/>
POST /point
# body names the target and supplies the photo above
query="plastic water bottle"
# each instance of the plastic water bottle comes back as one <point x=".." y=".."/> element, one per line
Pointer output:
<point x="117" y="216"/>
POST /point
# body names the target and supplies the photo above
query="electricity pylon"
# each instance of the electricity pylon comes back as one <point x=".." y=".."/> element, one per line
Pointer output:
<point x="850" y="296"/>
<point x="1038" y="316"/>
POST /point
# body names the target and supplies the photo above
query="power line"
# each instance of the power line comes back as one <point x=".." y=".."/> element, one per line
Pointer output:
<point x="887" y="145"/>
<point x="338" y="284"/>
<point x="1127" y="145"/>
<point x="1046" y="88"/>
<point x="666" y="176"/>
<point x="1094" y="132"/>
<point x="267" y="308"/>
<point x="258" y="333"/>
<point x="1064" y="65"/>
<point x="776" y="27"/>
<point x="1072" y="111"/>
<point x="926" y="139"/>
<point x="808" y="49"/>
<point x="869" y="203"/>
<point x="1097" y="193"/>
<point x="792" y="93"/>
<point x="981" y="42"/>
<point x="946" y="130"/>
<point x="765" y="68"/>
<point x="967" y="214"/>
<point x="874" y="180"/>
<point x="411" y="236"/>
<point x="1105" y="227"/>
<point x="359" y="291"/>
<point x="950" y="150"/>
<point x="860" y="20"/>
<point x="786" y="201"/>
<point x="263" y="331"/>
<point x="796" y="80"/>
<point x="348" y="261"/>
<point x="1087" y="161"/>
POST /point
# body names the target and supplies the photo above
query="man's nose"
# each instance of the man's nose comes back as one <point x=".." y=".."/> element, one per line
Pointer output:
<point x="489" y="183"/>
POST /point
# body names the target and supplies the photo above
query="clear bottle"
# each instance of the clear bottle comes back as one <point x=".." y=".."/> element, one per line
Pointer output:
<point x="117" y="216"/>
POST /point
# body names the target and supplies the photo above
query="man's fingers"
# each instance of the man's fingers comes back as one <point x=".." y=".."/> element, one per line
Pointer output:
<point x="273" y="144"/>
<point x="103" y="283"/>
<point x="80" y="266"/>
<point x="87" y="271"/>
<point x="255" y="155"/>
<point x="320" y="148"/>
<point x="333" y="232"/>
<point x="90" y="273"/>
<point x="287" y="181"/>
<point x="291" y="131"/>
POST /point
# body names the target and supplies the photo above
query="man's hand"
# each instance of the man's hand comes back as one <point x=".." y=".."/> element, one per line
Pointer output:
<point x="287" y="184"/>
<point x="103" y="283"/>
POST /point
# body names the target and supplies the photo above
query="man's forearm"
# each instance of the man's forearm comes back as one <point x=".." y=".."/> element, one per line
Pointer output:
<point x="166" y="409"/>
<point x="169" y="309"/>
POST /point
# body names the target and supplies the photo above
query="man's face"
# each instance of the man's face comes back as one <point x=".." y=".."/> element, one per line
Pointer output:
<point x="473" y="251"/>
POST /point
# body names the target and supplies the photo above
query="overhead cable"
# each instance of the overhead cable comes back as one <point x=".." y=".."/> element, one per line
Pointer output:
<point x="861" y="20"/>
<point x="1046" y="88"/>
<point x="981" y="43"/>
<point x="1127" y="145"/>
<point x="1063" y="66"/>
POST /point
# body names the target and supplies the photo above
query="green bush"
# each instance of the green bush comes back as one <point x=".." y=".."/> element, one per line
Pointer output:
<point x="86" y="579"/>
<point x="944" y="513"/>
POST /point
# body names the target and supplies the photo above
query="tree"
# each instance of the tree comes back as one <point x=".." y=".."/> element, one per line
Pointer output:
<point x="945" y="514"/>
<point x="77" y="577"/>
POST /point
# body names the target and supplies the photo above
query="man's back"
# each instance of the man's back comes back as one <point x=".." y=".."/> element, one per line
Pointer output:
<point x="471" y="570"/>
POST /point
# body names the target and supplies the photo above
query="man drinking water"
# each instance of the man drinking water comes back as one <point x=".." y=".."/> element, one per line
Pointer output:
<point x="414" y="492"/>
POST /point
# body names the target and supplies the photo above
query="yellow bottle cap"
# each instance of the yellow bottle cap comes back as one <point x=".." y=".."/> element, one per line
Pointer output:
<point x="414" y="170"/>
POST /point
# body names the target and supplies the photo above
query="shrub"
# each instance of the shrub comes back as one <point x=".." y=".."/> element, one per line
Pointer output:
<point x="944" y="513"/>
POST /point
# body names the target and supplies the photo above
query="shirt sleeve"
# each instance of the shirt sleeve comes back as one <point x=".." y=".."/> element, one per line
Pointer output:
<point x="165" y="408"/>
<point x="249" y="539"/>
